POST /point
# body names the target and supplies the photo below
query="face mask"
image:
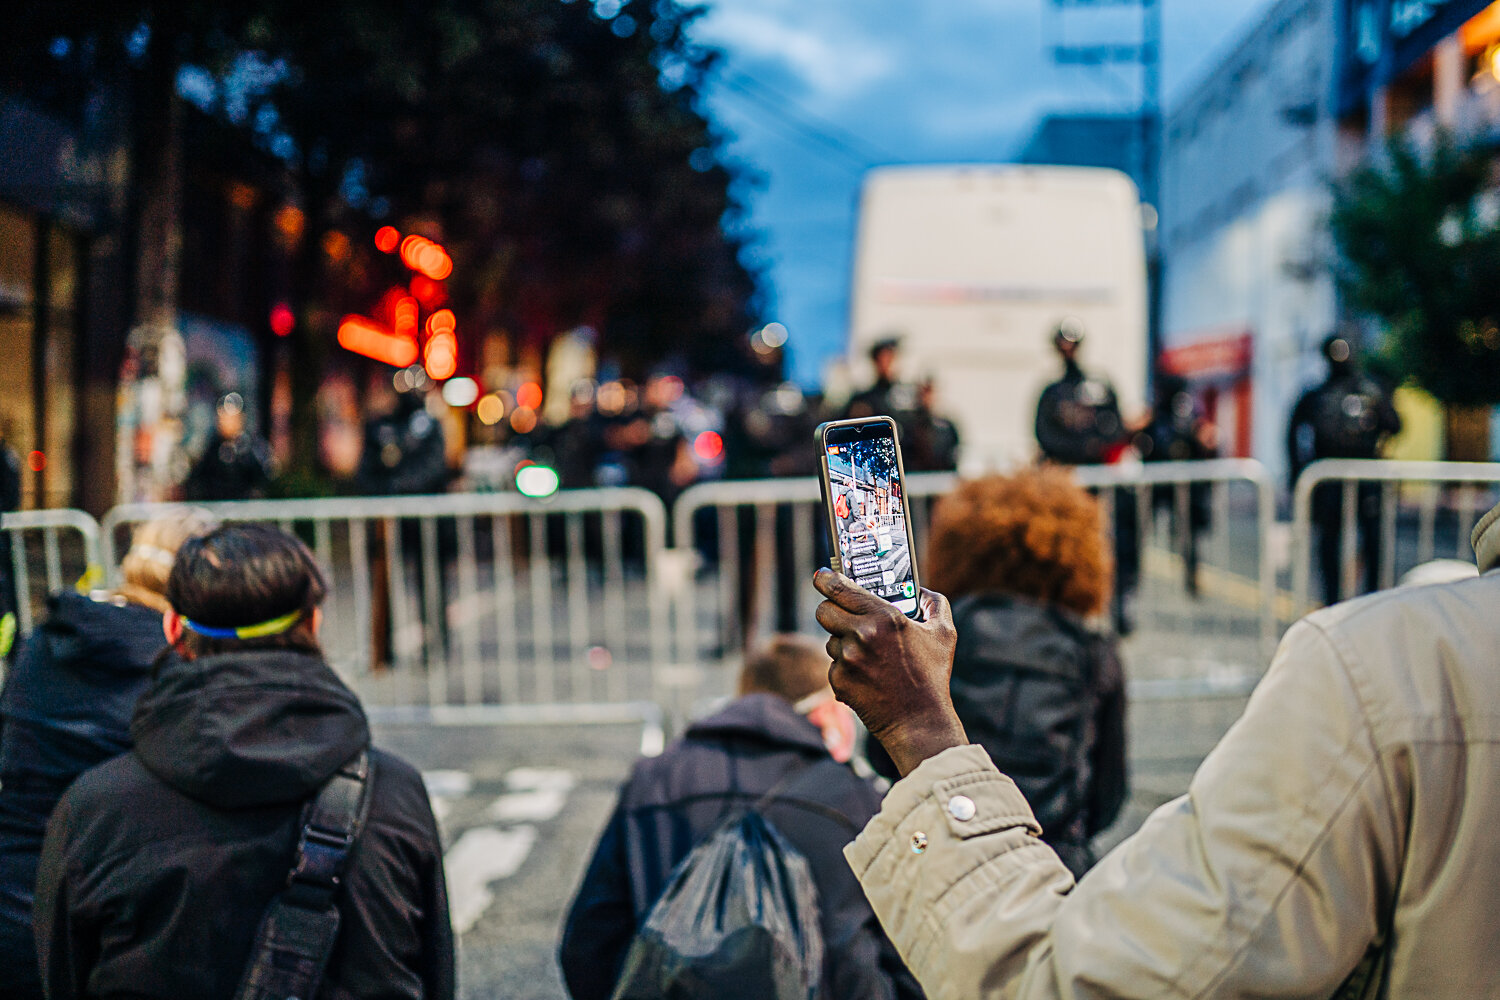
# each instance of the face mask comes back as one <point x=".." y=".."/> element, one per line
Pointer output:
<point x="834" y="719"/>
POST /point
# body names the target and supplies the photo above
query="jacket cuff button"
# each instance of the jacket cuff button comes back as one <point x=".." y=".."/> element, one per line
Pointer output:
<point x="961" y="808"/>
<point x="918" y="842"/>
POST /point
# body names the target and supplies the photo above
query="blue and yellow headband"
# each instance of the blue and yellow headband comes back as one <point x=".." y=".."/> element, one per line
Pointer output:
<point x="276" y="626"/>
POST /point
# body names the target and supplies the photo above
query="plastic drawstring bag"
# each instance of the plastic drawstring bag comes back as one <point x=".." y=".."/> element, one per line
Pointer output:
<point x="737" y="921"/>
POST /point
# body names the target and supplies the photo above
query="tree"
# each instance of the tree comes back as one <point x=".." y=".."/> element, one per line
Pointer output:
<point x="557" y="144"/>
<point x="1419" y="238"/>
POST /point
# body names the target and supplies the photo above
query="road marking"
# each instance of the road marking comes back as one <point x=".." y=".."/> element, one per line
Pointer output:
<point x="445" y="786"/>
<point x="485" y="855"/>
<point x="536" y="795"/>
<point x="482" y="857"/>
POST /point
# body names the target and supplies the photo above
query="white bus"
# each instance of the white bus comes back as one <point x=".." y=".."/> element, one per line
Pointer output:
<point x="974" y="266"/>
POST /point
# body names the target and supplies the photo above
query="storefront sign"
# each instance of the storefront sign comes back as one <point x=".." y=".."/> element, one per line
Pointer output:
<point x="1382" y="38"/>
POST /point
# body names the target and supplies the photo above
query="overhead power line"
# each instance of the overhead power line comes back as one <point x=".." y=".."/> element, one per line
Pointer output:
<point x="816" y="132"/>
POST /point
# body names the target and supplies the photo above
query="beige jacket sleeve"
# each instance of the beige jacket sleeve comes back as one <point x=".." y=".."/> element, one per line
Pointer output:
<point x="1267" y="879"/>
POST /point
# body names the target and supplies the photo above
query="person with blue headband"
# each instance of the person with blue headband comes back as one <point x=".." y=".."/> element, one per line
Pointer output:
<point x="163" y="869"/>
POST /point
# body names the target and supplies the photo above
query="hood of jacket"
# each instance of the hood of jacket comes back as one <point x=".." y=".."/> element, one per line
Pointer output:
<point x="761" y="716"/>
<point x="84" y="653"/>
<point x="247" y="729"/>
<point x="1486" y="541"/>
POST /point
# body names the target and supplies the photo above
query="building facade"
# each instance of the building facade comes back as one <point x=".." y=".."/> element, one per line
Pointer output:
<point x="1314" y="88"/>
<point x="1247" y="293"/>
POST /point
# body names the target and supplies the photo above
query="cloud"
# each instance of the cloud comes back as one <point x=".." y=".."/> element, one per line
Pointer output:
<point x="831" y="65"/>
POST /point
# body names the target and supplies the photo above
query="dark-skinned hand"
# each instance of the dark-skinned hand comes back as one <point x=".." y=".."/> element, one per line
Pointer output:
<point x="893" y="671"/>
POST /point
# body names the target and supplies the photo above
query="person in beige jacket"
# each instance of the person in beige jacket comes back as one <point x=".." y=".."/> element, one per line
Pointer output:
<point x="1343" y="839"/>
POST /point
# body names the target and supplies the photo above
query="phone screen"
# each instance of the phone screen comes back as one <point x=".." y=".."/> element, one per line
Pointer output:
<point x="869" y="511"/>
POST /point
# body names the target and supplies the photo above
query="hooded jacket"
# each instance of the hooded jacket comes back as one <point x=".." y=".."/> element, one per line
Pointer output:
<point x="672" y="802"/>
<point x="1339" y="841"/>
<point x="159" y="864"/>
<point x="65" y="707"/>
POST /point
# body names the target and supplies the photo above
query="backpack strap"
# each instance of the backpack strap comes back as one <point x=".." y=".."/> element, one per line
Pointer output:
<point x="298" y="929"/>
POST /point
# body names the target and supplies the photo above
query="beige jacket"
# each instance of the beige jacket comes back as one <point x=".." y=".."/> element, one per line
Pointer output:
<point x="1347" y="825"/>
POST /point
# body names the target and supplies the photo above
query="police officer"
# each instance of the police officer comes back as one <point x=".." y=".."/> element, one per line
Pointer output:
<point x="1078" y="423"/>
<point x="236" y="463"/>
<point x="1176" y="433"/>
<point x="1348" y="415"/>
<point x="404" y="455"/>
<point x="931" y="441"/>
<point x="1078" y="418"/>
<point x="886" y="397"/>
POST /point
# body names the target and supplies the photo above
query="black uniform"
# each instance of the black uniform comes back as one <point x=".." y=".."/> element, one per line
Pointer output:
<point x="1173" y="435"/>
<point x="238" y="468"/>
<point x="1078" y="419"/>
<point x="159" y="864"/>
<point x="673" y="802"/>
<point x="66" y="707"/>
<point x="930" y="444"/>
<point x="404" y="455"/>
<point x="1078" y="423"/>
<point x="1347" y="416"/>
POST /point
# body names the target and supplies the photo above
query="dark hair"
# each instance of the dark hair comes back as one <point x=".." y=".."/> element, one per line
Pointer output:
<point x="245" y="574"/>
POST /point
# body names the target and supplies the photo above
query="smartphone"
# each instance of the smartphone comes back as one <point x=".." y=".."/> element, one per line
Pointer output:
<point x="864" y="498"/>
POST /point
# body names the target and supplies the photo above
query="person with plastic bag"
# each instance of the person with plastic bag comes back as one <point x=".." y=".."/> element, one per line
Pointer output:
<point x="786" y="736"/>
<point x="66" y="706"/>
<point x="1025" y="561"/>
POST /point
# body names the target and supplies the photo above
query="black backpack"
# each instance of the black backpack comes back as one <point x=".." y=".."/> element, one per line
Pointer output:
<point x="1025" y="690"/>
<point x="1346" y="419"/>
<point x="738" y="920"/>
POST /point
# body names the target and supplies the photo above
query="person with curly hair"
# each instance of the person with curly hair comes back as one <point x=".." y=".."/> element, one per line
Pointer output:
<point x="1025" y="562"/>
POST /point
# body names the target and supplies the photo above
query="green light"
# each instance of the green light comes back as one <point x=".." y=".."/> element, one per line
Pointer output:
<point x="537" y="481"/>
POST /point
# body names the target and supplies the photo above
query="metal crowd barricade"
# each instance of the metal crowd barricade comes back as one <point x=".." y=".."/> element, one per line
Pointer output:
<point x="743" y="553"/>
<point x="1390" y="516"/>
<point x="456" y="603"/>
<point x="48" y="550"/>
<point x="1206" y="609"/>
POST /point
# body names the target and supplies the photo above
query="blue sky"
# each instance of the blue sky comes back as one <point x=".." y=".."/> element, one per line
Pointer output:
<point x="815" y="93"/>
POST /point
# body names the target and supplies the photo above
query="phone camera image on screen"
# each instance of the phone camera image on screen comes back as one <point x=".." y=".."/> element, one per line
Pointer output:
<point x="869" y="513"/>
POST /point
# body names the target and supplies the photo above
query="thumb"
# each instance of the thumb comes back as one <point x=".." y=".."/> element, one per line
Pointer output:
<point x="935" y="609"/>
<point x="844" y="592"/>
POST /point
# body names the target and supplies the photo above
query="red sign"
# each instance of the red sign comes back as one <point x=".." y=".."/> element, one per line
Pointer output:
<point x="1211" y="358"/>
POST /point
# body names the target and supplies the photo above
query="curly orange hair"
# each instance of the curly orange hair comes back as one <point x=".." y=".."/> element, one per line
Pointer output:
<point x="1035" y="534"/>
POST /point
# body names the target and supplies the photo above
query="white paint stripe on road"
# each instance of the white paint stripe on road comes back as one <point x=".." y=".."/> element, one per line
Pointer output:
<point x="537" y="795"/>
<point x="482" y="857"/>
<point x="443" y="787"/>
<point x="535" y="806"/>
<point x="448" y="784"/>
<point x="539" y="778"/>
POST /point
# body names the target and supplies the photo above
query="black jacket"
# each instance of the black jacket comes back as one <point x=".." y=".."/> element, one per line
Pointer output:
<point x="1078" y="419"/>
<point x="1348" y="415"/>
<point x="672" y="802"/>
<point x="65" y="707"/>
<point x="1045" y="697"/>
<point x="159" y="864"/>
